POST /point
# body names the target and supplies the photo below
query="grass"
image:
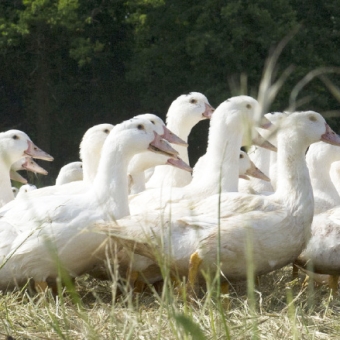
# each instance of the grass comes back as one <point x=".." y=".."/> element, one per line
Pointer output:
<point x="281" y="309"/>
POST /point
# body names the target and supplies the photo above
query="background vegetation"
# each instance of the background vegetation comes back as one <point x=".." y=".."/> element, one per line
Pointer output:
<point x="69" y="64"/>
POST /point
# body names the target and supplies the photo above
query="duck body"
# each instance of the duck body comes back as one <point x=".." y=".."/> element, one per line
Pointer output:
<point x="322" y="252"/>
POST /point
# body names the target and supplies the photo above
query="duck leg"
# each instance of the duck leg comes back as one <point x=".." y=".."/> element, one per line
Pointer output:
<point x="225" y="291"/>
<point x="137" y="286"/>
<point x="295" y="272"/>
<point x="40" y="286"/>
<point x="333" y="284"/>
<point x="194" y="264"/>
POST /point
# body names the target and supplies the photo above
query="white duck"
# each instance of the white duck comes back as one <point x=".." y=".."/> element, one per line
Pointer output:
<point x="70" y="172"/>
<point x="275" y="228"/>
<point x="25" y="163"/>
<point x="216" y="171"/>
<point x="183" y="114"/>
<point x="39" y="235"/>
<point x="14" y="145"/>
<point x="90" y="151"/>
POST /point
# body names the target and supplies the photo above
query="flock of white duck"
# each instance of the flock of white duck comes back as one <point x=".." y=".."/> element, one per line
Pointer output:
<point x="135" y="194"/>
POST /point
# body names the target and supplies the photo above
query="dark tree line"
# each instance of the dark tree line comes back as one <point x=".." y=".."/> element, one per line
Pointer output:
<point x="69" y="64"/>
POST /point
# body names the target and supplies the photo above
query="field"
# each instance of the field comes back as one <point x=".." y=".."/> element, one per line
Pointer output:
<point x="277" y="308"/>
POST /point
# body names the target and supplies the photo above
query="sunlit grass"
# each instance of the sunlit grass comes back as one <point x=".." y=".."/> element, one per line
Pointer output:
<point x="281" y="309"/>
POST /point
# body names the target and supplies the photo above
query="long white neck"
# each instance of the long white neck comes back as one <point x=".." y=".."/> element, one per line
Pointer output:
<point x="168" y="176"/>
<point x="294" y="188"/>
<point x="323" y="186"/>
<point x="6" y="193"/>
<point x="220" y="169"/>
<point x="110" y="185"/>
<point x="90" y="166"/>
<point x="182" y="127"/>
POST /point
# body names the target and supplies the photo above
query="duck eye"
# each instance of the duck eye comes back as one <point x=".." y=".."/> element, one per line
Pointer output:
<point x="312" y="118"/>
<point x="140" y="127"/>
<point x="15" y="137"/>
<point x="81" y="167"/>
<point x="107" y="131"/>
<point x="241" y="156"/>
<point x="193" y="101"/>
<point x="248" y="106"/>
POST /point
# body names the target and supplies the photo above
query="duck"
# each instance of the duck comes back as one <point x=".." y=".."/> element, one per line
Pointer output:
<point x="183" y="114"/>
<point x="213" y="234"/>
<point x="71" y="172"/>
<point x="89" y="152"/>
<point x="15" y="144"/>
<point x="25" y="163"/>
<point x="39" y="235"/>
<point x="248" y="169"/>
<point x="231" y="120"/>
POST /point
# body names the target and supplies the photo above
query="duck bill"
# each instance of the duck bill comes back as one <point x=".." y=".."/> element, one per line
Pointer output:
<point x="17" y="177"/>
<point x="263" y="143"/>
<point x="159" y="145"/>
<point x="265" y="123"/>
<point x="35" y="152"/>
<point x="208" y="111"/>
<point x="178" y="163"/>
<point x="257" y="173"/>
<point x="330" y="136"/>
<point x="32" y="166"/>
<point x="172" y="138"/>
<point x="244" y="177"/>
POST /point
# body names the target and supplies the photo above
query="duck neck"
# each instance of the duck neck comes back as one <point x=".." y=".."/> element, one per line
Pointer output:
<point x="221" y="161"/>
<point x="182" y="129"/>
<point x="6" y="194"/>
<point x="322" y="183"/>
<point x="90" y="166"/>
<point x="293" y="181"/>
<point x="110" y="185"/>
